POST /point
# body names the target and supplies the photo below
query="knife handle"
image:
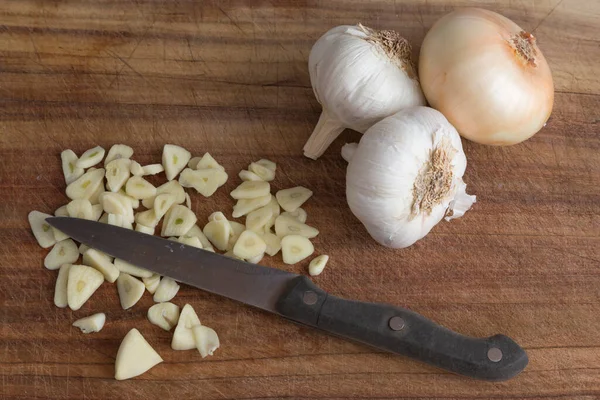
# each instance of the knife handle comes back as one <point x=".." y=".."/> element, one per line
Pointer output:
<point x="404" y="332"/>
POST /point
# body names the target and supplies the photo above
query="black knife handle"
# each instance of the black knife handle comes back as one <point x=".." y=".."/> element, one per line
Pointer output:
<point x="403" y="332"/>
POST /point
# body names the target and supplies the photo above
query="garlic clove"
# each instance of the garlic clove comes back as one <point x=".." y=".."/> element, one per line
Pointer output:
<point x="152" y="169"/>
<point x="256" y="259"/>
<point x="61" y="211"/>
<point x="190" y="241"/>
<point x="217" y="216"/>
<point x="101" y="262"/>
<point x="174" y="160"/>
<point x="118" y="151"/>
<point x="60" y="289"/>
<point x="136" y="169"/>
<point x="205" y="181"/>
<point x="152" y="283"/>
<point x="139" y="188"/>
<point x="183" y="337"/>
<point x="94" y="198"/>
<point x="249" y="245"/>
<point x="96" y="212"/>
<point x="144" y="229"/>
<point x="206" y="340"/>
<point x="58" y="235"/>
<point x="82" y="282"/>
<point x="291" y="199"/>
<point x="80" y="208"/>
<point x="117" y="173"/>
<point x="116" y="203"/>
<point x="162" y="204"/>
<point x="164" y="315"/>
<point x="86" y="185"/>
<point x="234" y="234"/>
<point x="258" y="219"/>
<point x="69" y="168"/>
<point x="171" y="187"/>
<point x="218" y="232"/>
<point x="193" y="162"/>
<point x="86" y="257"/>
<point x="285" y="225"/>
<point x="130" y="290"/>
<point x="317" y="265"/>
<point x="300" y="215"/>
<point x="83" y="248"/>
<point x="178" y="220"/>
<point x="197" y="232"/>
<point x="251" y="190"/>
<point x="244" y="206"/>
<point x="63" y="252"/>
<point x="274" y="206"/>
<point x="273" y="243"/>
<point x="266" y="174"/>
<point x="461" y="203"/>
<point x="166" y="290"/>
<point x="249" y="176"/>
<point x="208" y="162"/>
<point x="267" y="164"/>
<point x="295" y="248"/>
<point x="41" y="229"/>
<point x="188" y="201"/>
<point x="93" y="323"/>
<point x="135" y="203"/>
<point x="135" y="356"/>
<point x="90" y="158"/>
<point x="231" y="255"/>
<point x="147" y="218"/>
<point x="125" y="267"/>
<point x="119" y="220"/>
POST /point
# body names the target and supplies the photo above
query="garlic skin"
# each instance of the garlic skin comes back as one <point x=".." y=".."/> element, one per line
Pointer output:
<point x="359" y="76"/>
<point x="405" y="175"/>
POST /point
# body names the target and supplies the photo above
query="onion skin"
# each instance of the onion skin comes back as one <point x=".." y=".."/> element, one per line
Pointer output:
<point x="471" y="71"/>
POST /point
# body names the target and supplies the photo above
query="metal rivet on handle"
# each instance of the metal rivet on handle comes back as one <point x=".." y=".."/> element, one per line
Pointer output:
<point x="310" y="298"/>
<point x="494" y="354"/>
<point x="396" y="323"/>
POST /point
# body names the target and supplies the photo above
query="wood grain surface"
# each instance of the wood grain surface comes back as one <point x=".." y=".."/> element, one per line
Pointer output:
<point x="231" y="78"/>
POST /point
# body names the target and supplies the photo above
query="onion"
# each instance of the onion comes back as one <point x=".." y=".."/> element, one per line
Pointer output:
<point x="487" y="76"/>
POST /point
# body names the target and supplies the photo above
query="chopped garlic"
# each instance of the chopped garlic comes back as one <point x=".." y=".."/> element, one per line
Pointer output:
<point x="83" y="248"/>
<point x="152" y="283"/>
<point x="164" y="315"/>
<point x="244" y="206"/>
<point x="206" y="340"/>
<point x="251" y="190"/>
<point x="86" y="185"/>
<point x="178" y="220"/>
<point x="257" y="259"/>
<point x="152" y="169"/>
<point x="299" y="214"/>
<point x="295" y="248"/>
<point x="197" y="232"/>
<point x="116" y="203"/>
<point x="174" y="160"/>
<point x="205" y="181"/>
<point x="118" y="151"/>
<point x="218" y="232"/>
<point x="139" y="188"/>
<point x="94" y="198"/>
<point x="249" y="245"/>
<point x="258" y="219"/>
<point x="317" y="265"/>
<point x="183" y="337"/>
<point x="249" y="176"/>
<point x="61" y="211"/>
<point x="135" y="356"/>
<point x="124" y="266"/>
<point x="285" y="225"/>
<point x="194" y="162"/>
<point x="130" y="290"/>
<point x="188" y="201"/>
<point x="231" y="255"/>
<point x="274" y="206"/>
<point x="144" y="229"/>
<point x="117" y="173"/>
<point x="267" y="164"/>
<point x="101" y="262"/>
<point x="291" y="199"/>
<point x="172" y="187"/>
<point x="136" y="169"/>
<point x="234" y="234"/>
<point x="82" y="282"/>
<point x="162" y="204"/>
<point x="41" y="229"/>
<point x="190" y="241"/>
<point x="96" y="212"/>
<point x="69" y="168"/>
<point x="58" y="235"/>
<point x="147" y="218"/>
<point x="166" y="290"/>
<point x="60" y="289"/>
<point x="208" y="162"/>
<point x="266" y="174"/>
<point x="273" y="243"/>
<point x="80" y="208"/>
<point x="119" y="220"/>
<point x="90" y="158"/>
<point x="93" y="323"/>
<point x="63" y="252"/>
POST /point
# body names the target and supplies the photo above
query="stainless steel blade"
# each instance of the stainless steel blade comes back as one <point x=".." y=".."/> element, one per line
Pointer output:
<point x="252" y="284"/>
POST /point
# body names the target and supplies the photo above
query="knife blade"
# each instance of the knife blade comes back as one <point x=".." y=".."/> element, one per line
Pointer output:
<point x="295" y="297"/>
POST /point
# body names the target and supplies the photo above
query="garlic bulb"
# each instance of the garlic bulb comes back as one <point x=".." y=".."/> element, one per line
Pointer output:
<point x="487" y="76"/>
<point x="405" y="175"/>
<point x="359" y="76"/>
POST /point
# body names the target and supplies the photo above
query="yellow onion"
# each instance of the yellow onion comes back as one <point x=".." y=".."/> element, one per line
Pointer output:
<point x="487" y="76"/>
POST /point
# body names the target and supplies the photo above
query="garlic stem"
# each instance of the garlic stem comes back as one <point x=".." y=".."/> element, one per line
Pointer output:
<point x="348" y="151"/>
<point x="461" y="204"/>
<point x="326" y="131"/>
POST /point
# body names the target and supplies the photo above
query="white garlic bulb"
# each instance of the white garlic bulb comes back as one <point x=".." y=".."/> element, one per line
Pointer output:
<point x="359" y="76"/>
<point x="405" y="175"/>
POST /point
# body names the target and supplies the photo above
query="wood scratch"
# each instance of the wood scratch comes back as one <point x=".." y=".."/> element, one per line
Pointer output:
<point x="216" y="4"/>
<point x="547" y="15"/>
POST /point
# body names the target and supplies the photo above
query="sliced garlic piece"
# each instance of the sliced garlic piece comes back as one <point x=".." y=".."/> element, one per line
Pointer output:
<point x="317" y="265"/>
<point x="205" y="181"/>
<point x="166" y="290"/>
<point x="231" y="255"/>
<point x="234" y="234"/>
<point x="69" y="167"/>
<point x="135" y="203"/>
<point x="190" y="241"/>
<point x="162" y="204"/>
<point x="152" y="169"/>
<point x="139" y="188"/>
<point x="172" y="187"/>
<point x="251" y="190"/>
<point x="83" y="248"/>
<point x="90" y="158"/>
<point x="295" y="248"/>
<point x="194" y="162"/>
<point x="267" y="164"/>
<point x="60" y="289"/>
<point x="86" y="260"/>
<point x="144" y="229"/>
<point x="178" y="220"/>
<point x="63" y="252"/>
<point x="217" y="233"/>
<point x="183" y="337"/>
<point x="136" y="169"/>
<point x="41" y="229"/>
<point x="116" y="203"/>
<point x="244" y="206"/>
<point x="130" y="290"/>
<point x="249" y="245"/>
<point x="208" y="162"/>
<point x="80" y="208"/>
<point x="273" y="243"/>
<point x="95" y="197"/>
<point x="135" y="356"/>
<point x="119" y="220"/>
<point x="86" y="185"/>
<point x="147" y="218"/>
<point x="124" y="266"/>
<point x="274" y="206"/>
<point x="96" y="212"/>
<point x="174" y="160"/>
<point x="151" y="283"/>
<point x="164" y="315"/>
<point x="118" y="151"/>
<point x="58" y="235"/>
<point x="249" y="176"/>
<point x="117" y="173"/>
<point x="217" y="216"/>
<point x="188" y="201"/>
<point x="265" y="173"/>
<point x="82" y="282"/>
<point x="299" y="214"/>
<point x="93" y="323"/>
<point x="285" y="225"/>
<point x="258" y="219"/>
<point x="256" y="260"/>
<point x="292" y="198"/>
<point x="197" y="232"/>
<point x="61" y="211"/>
<point x="206" y="340"/>
<point x="101" y="262"/>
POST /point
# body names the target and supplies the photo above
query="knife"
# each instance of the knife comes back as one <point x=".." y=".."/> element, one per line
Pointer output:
<point x="296" y="298"/>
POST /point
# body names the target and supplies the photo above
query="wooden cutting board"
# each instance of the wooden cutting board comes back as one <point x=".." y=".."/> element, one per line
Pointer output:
<point x="231" y="78"/>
